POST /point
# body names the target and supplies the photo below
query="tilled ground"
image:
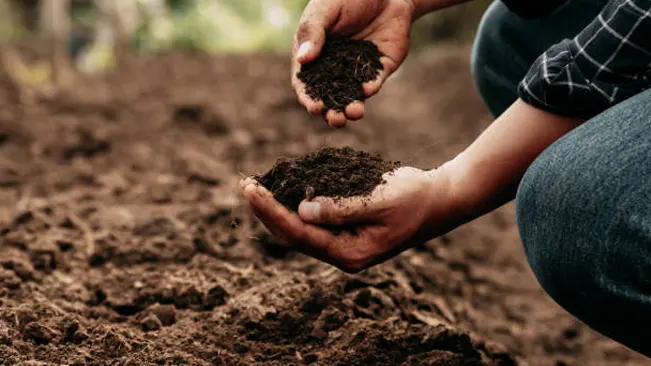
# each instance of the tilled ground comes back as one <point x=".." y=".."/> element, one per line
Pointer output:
<point x="124" y="241"/>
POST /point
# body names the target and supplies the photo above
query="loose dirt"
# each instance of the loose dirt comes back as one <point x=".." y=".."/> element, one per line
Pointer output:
<point x="328" y="172"/>
<point x="337" y="75"/>
<point x="124" y="239"/>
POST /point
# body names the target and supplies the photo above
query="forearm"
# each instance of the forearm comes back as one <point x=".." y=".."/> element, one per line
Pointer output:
<point x="486" y="175"/>
<point x="422" y="7"/>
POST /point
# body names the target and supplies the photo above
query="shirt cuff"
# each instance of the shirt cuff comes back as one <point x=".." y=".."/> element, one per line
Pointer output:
<point x="557" y="84"/>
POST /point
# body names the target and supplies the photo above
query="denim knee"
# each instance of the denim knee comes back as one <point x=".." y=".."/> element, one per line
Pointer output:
<point x="536" y="212"/>
<point x="585" y="224"/>
<point x="554" y="206"/>
<point x="494" y="74"/>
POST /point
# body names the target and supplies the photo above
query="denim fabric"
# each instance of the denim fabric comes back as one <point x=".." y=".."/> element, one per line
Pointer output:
<point x="584" y="206"/>
<point x="508" y="45"/>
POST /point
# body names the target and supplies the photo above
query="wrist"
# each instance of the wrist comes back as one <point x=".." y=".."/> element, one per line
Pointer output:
<point x="447" y="208"/>
<point x="422" y="7"/>
<point x="414" y="6"/>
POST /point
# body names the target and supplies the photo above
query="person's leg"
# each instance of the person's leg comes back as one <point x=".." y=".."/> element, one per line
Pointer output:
<point x="584" y="213"/>
<point x="507" y="45"/>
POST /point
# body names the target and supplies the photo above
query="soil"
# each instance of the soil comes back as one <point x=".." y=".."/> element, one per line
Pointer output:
<point x="328" y="172"/>
<point x="337" y="75"/>
<point x="124" y="239"/>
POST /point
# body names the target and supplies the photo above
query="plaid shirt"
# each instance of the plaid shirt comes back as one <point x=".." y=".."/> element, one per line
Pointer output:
<point x="608" y="62"/>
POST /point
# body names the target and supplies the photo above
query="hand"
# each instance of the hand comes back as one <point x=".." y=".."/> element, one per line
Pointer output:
<point x="385" y="22"/>
<point x="412" y="207"/>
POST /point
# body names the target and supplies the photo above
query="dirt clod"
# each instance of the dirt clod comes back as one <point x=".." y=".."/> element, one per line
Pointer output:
<point x="151" y="322"/>
<point x="72" y="331"/>
<point x="165" y="313"/>
<point x="329" y="172"/>
<point x="38" y="333"/>
<point x="215" y="296"/>
<point x="337" y="75"/>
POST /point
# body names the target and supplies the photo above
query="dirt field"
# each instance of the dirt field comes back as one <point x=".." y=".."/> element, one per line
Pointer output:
<point x="124" y="241"/>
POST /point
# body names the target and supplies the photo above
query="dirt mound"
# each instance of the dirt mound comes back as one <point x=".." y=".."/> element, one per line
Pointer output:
<point x="124" y="239"/>
<point x="337" y="75"/>
<point x="329" y="172"/>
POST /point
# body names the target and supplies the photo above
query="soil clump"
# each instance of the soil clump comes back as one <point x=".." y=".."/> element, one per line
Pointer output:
<point x="337" y="75"/>
<point x="329" y="172"/>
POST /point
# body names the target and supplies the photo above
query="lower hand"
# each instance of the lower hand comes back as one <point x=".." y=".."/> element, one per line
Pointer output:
<point x="412" y="207"/>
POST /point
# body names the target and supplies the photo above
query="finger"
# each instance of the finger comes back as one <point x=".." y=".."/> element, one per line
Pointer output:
<point x="326" y="211"/>
<point x="373" y="87"/>
<point x="318" y="16"/>
<point x="355" y="110"/>
<point x="273" y="229"/>
<point x="312" y="106"/>
<point x="336" y="119"/>
<point x="287" y="224"/>
<point x="247" y="182"/>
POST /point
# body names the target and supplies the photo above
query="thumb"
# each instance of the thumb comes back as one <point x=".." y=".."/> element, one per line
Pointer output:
<point x="326" y="211"/>
<point x="310" y="39"/>
<point x="318" y="17"/>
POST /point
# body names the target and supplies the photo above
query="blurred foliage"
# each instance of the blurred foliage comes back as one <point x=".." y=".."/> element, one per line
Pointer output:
<point x="211" y="26"/>
<point x="235" y="25"/>
<point x="243" y="26"/>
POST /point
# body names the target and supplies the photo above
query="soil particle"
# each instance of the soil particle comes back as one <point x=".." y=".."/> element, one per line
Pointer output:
<point x="151" y="322"/>
<point x="189" y="297"/>
<point x="310" y="359"/>
<point x="329" y="172"/>
<point x="23" y="269"/>
<point x="337" y="75"/>
<point x="73" y="332"/>
<point x="9" y="280"/>
<point x="165" y="313"/>
<point x="115" y="345"/>
<point x="215" y="296"/>
<point x="38" y="333"/>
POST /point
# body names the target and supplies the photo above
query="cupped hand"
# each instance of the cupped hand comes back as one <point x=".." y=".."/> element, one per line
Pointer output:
<point x="385" y="22"/>
<point x="412" y="207"/>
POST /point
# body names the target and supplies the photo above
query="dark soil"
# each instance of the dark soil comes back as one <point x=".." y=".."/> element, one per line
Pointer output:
<point x="337" y="75"/>
<point x="329" y="172"/>
<point x="124" y="239"/>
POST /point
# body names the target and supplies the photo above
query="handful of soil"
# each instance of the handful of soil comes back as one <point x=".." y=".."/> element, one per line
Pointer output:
<point x="330" y="172"/>
<point x="337" y="75"/>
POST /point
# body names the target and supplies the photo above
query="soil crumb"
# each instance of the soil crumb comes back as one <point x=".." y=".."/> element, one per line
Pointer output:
<point x="337" y="75"/>
<point x="330" y="172"/>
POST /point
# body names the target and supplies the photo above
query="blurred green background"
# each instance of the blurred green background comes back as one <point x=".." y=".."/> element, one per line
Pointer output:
<point x="223" y="26"/>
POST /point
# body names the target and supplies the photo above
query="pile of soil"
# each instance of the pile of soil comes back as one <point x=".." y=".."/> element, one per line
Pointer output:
<point x="124" y="239"/>
<point x="337" y="75"/>
<point x="328" y="172"/>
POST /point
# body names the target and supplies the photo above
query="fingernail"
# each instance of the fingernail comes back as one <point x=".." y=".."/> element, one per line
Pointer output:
<point x="303" y="50"/>
<point x="310" y="210"/>
<point x="249" y="189"/>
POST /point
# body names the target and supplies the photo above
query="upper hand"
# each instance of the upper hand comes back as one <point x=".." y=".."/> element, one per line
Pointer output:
<point x="385" y="22"/>
<point x="409" y="209"/>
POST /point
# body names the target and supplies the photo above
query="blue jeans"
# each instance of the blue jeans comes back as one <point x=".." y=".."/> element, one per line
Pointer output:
<point x="584" y="206"/>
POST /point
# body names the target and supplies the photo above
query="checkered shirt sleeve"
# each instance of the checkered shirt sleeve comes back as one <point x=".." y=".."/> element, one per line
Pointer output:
<point x="608" y="62"/>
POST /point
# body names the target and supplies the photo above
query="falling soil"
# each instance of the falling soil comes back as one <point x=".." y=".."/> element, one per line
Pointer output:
<point x="329" y="172"/>
<point x="337" y="75"/>
<point x="124" y="239"/>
